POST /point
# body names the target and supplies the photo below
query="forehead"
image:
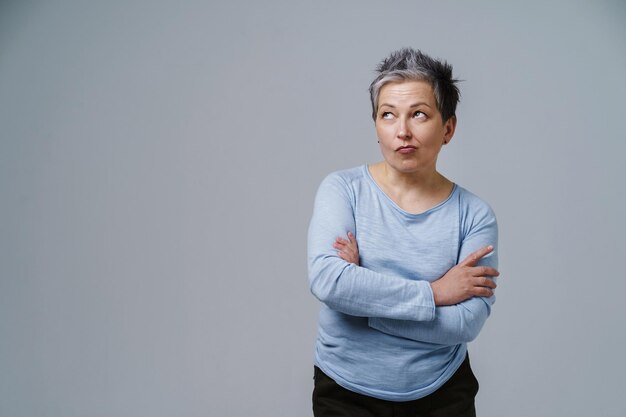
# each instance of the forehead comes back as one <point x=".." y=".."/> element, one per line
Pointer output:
<point x="398" y="92"/>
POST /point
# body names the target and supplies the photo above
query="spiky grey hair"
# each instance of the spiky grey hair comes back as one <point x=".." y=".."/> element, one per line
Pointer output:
<point x="408" y="64"/>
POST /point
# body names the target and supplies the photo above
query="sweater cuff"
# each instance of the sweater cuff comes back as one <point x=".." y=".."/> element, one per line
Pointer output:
<point x="425" y="309"/>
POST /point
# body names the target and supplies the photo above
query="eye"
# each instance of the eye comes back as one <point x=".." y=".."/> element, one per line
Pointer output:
<point x="419" y="115"/>
<point x="386" y="115"/>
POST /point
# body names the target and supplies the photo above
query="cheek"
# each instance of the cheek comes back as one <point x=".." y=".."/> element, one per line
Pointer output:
<point x="379" y="131"/>
<point x="383" y="133"/>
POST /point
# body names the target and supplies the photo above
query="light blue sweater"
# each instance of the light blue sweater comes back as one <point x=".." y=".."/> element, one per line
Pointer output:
<point x="380" y="333"/>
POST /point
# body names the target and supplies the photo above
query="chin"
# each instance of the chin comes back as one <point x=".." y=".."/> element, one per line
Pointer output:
<point x="407" y="166"/>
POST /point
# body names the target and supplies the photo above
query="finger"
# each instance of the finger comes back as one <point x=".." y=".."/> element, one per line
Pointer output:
<point x="484" y="271"/>
<point x="483" y="292"/>
<point x="341" y="249"/>
<point x="344" y="256"/>
<point x="486" y="282"/>
<point x="474" y="257"/>
<point x="339" y="245"/>
<point x="340" y="241"/>
<point x="351" y="238"/>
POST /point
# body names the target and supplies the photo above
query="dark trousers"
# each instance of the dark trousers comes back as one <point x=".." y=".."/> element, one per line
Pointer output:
<point x="455" y="398"/>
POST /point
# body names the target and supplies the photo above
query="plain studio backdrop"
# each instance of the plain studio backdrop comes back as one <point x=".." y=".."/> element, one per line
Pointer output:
<point x="158" y="164"/>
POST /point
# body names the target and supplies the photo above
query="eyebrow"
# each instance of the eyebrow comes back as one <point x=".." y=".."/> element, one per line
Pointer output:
<point x="419" y="103"/>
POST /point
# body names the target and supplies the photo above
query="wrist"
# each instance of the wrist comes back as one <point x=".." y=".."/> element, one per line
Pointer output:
<point x="435" y="291"/>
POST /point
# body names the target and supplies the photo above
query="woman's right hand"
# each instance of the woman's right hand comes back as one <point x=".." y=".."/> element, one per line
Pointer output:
<point x="465" y="280"/>
<point x="348" y="250"/>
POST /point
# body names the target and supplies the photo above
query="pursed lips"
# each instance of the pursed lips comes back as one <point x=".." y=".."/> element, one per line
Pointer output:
<point x="406" y="149"/>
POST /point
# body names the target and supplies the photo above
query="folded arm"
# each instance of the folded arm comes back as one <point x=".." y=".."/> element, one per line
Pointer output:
<point x="461" y="321"/>
<point x="347" y="287"/>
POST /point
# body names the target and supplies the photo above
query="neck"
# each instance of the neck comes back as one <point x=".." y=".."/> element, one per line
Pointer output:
<point x="414" y="192"/>
<point x="417" y="181"/>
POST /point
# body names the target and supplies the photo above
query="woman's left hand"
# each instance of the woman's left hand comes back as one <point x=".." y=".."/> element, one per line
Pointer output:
<point x="348" y="250"/>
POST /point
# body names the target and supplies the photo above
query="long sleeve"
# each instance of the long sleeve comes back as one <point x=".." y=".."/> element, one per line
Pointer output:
<point x="348" y="288"/>
<point x="461" y="322"/>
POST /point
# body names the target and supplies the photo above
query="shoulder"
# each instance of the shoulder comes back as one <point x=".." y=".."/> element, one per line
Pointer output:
<point x="346" y="176"/>
<point x="346" y="180"/>
<point x="345" y="185"/>
<point x="474" y="210"/>
<point x="339" y="190"/>
<point x="472" y="203"/>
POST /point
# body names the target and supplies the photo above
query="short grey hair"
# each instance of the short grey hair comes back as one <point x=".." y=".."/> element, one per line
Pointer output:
<point x="408" y="64"/>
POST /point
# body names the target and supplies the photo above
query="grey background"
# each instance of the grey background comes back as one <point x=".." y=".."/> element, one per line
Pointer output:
<point x="158" y="163"/>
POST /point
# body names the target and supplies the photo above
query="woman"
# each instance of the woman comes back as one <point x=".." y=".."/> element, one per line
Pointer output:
<point x="399" y="307"/>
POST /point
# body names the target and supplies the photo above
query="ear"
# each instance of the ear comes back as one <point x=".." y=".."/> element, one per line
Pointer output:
<point x="449" y="127"/>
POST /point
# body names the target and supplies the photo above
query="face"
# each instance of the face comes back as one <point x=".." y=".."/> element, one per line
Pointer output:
<point x="409" y="126"/>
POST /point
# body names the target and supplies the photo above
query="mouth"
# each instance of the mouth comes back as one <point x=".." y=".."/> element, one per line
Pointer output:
<point x="406" y="149"/>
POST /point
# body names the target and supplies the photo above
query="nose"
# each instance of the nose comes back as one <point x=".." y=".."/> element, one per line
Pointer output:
<point x="403" y="129"/>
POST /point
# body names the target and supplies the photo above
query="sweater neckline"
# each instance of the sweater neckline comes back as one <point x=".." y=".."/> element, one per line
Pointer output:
<point x="436" y="207"/>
